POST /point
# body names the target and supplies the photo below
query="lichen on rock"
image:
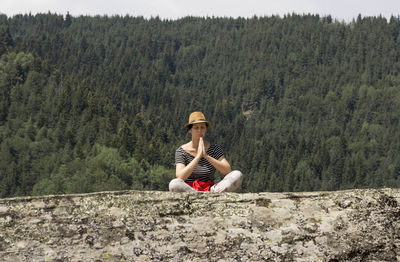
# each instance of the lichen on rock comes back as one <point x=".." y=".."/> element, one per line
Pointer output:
<point x="354" y="225"/>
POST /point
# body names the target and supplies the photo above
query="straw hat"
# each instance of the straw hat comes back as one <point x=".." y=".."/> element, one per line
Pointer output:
<point x="197" y="117"/>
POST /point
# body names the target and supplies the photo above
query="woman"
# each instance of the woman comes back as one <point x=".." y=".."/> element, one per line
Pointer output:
<point x="197" y="161"/>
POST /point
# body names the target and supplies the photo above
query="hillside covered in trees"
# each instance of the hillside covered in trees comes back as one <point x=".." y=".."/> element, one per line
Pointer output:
<point x="299" y="103"/>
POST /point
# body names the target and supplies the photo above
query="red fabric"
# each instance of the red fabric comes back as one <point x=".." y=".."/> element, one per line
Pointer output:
<point x="201" y="185"/>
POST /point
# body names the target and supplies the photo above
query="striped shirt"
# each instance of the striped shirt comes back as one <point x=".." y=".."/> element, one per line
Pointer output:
<point x="204" y="171"/>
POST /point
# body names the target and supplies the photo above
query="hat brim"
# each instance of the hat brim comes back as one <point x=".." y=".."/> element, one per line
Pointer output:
<point x="198" y="121"/>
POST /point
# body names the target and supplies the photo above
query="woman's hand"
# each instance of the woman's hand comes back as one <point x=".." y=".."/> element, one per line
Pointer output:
<point x="202" y="148"/>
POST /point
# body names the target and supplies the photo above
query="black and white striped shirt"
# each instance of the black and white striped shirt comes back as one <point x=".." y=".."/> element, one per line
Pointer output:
<point x="204" y="171"/>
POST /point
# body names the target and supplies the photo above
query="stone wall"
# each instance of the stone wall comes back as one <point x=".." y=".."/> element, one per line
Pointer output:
<point x="359" y="225"/>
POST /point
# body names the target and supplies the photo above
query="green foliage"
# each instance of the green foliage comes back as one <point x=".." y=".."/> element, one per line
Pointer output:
<point x="103" y="170"/>
<point x="6" y="41"/>
<point x="298" y="103"/>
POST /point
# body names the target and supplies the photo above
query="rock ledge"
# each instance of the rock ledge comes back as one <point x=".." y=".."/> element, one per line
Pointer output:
<point x="356" y="225"/>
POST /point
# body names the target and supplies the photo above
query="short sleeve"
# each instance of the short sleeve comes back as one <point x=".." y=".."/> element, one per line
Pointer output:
<point x="217" y="152"/>
<point x="179" y="158"/>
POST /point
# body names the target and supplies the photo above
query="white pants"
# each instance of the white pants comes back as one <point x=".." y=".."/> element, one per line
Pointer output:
<point x="230" y="183"/>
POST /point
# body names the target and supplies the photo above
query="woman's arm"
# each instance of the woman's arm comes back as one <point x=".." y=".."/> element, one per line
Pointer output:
<point x="221" y="164"/>
<point x="183" y="171"/>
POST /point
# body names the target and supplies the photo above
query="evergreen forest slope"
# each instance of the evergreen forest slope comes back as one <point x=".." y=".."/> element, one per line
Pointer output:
<point x="299" y="103"/>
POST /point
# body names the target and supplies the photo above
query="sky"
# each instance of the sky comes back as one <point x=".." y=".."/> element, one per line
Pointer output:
<point x="342" y="10"/>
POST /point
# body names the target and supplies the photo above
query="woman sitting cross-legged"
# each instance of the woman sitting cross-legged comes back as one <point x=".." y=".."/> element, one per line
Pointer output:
<point x="197" y="161"/>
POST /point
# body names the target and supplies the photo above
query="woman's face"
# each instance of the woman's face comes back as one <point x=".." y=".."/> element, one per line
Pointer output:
<point x="198" y="130"/>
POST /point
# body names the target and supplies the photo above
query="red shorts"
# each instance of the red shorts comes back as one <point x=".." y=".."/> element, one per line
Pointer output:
<point x="201" y="185"/>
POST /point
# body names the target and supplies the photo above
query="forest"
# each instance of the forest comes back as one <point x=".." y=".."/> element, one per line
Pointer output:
<point x="98" y="103"/>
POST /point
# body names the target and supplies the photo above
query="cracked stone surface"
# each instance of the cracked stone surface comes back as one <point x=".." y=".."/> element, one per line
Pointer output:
<point x="356" y="225"/>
